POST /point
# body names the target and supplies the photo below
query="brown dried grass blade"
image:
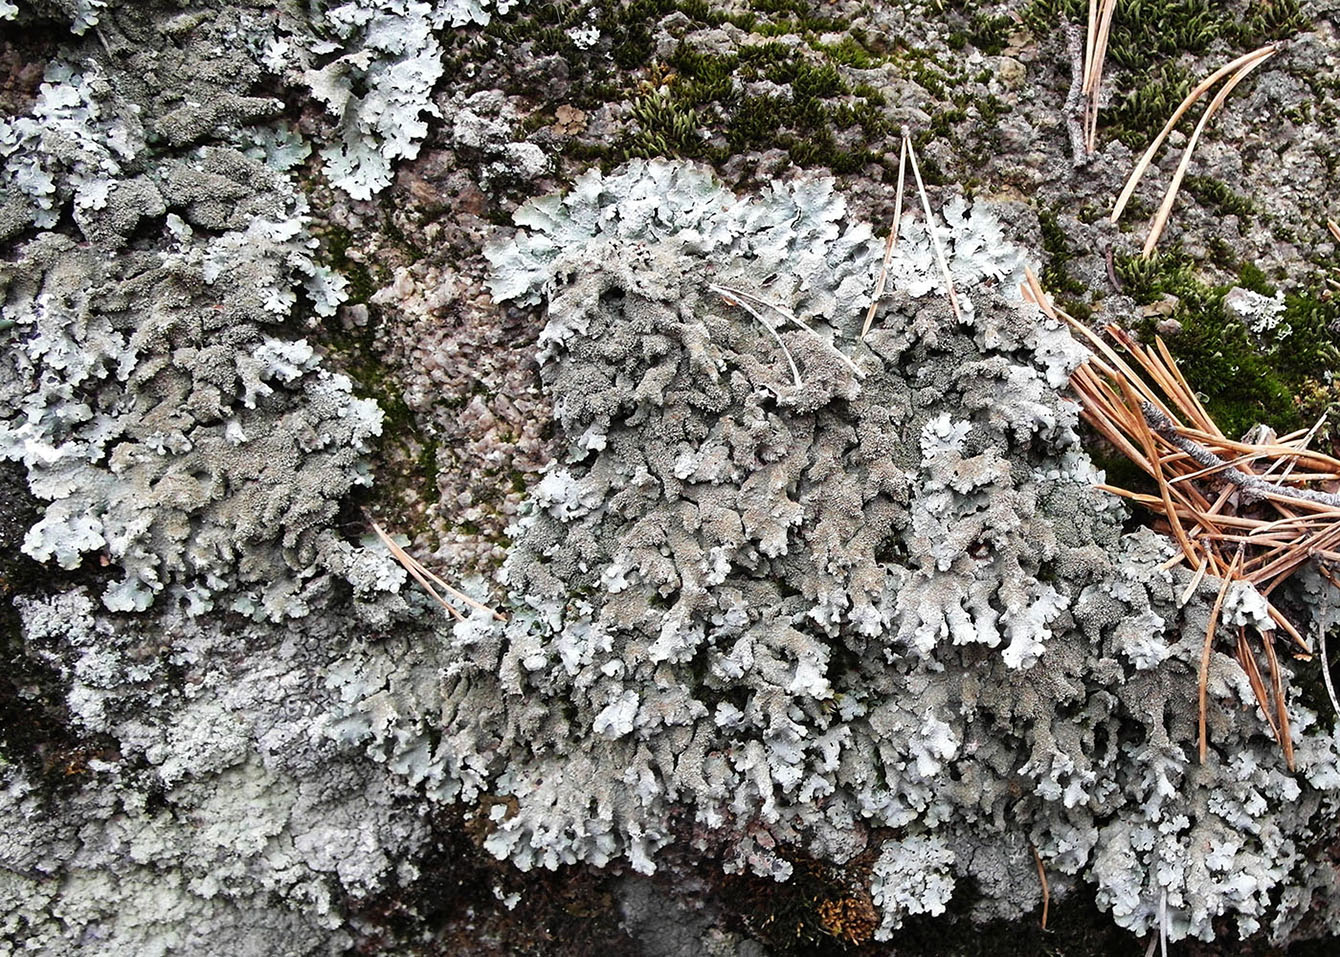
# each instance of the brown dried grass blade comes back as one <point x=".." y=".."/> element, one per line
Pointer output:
<point x="1151" y="454"/>
<point x="1187" y="103"/>
<point x="892" y="242"/>
<point x="1277" y="616"/>
<point x="1253" y="671"/>
<point x="1161" y="217"/>
<point x="1034" y="292"/>
<point x="1192" y="585"/>
<point x="1281" y="722"/>
<point x="1046" y="890"/>
<point x="1255" y="479"/>
<point x="1305" y="442"/>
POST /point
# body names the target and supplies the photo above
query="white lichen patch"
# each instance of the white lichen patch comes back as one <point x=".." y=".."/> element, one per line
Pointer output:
<point x="373" y="64"/>
<point x="892" y="590"/>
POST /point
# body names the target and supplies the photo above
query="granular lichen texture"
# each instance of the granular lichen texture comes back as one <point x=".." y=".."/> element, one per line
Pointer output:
<point x="805" y="640"/>
<point x="882" y="607"/>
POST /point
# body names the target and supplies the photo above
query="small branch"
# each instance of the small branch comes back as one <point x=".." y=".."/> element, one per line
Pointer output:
<point x="1253" y="488"/>
<point x="1076" y="107"/>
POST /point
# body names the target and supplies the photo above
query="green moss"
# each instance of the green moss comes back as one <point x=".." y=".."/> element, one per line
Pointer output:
<point x="667" y="128"/>
<point x="1273" y="379"/>
<point x="990" y="34"/>
<point x="701" y="114"/>
<point x="1149" y="35"/>
<point x="335" y="243"/>
<point x="1251" y="277"/>
<point x="691" y="104"/>
<point x="1146" y="32"/>
<point x="848" y="52"/>
<point x="1056" y="277"/>
<point x="1145" y="105"/>
<point x="1216" y="194"/>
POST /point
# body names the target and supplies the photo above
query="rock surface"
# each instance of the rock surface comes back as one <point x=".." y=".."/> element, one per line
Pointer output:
<point x="808" y="641"/>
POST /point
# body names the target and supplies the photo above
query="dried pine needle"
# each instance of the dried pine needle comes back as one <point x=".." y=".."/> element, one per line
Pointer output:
<point x="1240" y="511"/>
<point x="1161" y="217"/>
<point x="1190" y="100"/>
<point x="892" y="242"/>
<point x="930" y="227"/>
<point x="427" y="579"/>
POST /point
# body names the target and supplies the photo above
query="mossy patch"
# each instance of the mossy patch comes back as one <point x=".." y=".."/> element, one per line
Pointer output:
<point x="1277" y="376"/>
<point x="407" y="456"/>
<point x="1219" y="196"/>
<point x="784" y="89"/>
<point x="1070" y="293"/>
<point x="1148" y="36"/>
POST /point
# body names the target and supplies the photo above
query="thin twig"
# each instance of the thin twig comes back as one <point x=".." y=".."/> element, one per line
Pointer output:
<point x="930" y="227"/>
<point x="892" y="241"/>
<point x="1074" y="101"/>
<point x="1252" y="486"/>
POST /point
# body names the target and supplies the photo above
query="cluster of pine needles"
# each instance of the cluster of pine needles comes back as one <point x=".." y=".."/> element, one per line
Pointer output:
<point x="1241" y="511"/>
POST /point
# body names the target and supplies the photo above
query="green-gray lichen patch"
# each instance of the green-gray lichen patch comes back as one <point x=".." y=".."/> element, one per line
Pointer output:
<point x="868" y="603"/>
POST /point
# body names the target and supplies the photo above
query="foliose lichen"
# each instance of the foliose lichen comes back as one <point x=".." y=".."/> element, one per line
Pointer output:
<point x="373" y="65"/>
<point x="163" y="400"/>
<point x="873" y="601"/>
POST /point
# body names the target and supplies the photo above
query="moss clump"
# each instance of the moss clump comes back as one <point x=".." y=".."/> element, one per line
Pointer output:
<point x="1056" y="277"/>
<point x="1147" y="32"/>
<point x="1276" y="377"/>
<point x="1146" y="103"/>
<point x="335" y="244"/>
<point x="703" y="111"/>
<point x="667" y="127"/>
<point x="1217" y="195"/>
<point x="1148" y="35"/>
<point x="987" y="32"/>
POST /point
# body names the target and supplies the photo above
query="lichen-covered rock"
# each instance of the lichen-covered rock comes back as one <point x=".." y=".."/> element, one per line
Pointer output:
<point x="221" y="823"/>
<point x="168" y="430"/>
<point x="379" y="88"/>
<point x="785" y="593"/>
<point x="876" y="595"/>
<point x="191" y="450"/>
